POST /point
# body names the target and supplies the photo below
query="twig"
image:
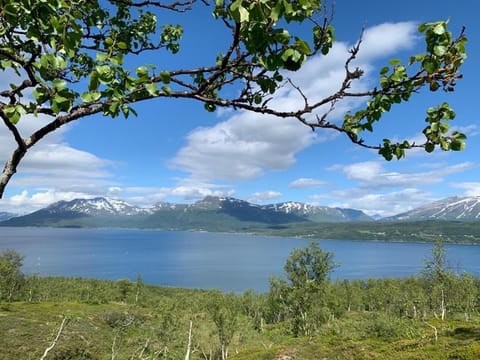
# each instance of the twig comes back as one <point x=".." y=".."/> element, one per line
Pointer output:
<point x="56" y="338"/>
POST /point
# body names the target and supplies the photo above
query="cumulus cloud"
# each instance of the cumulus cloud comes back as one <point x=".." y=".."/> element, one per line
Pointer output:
<point x="25" y="202"/>
<point x="242" y="147"/>
<point x="51" y="171"/>
<point x="372" y="174"/>
<point x="470" y="188"/>
<point x="384" y="204"/>
<point x="303" y="183"/>
<point x="378" y="191"/>
<point x="386" y="39"/>
<point x="183" y="191"/>
<point x="247" y="145"/>
<point x="259" y="197"/>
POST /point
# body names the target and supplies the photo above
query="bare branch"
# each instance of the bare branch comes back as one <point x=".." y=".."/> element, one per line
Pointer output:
<point x="177" y="6"/>
<point x="59" y="332"/>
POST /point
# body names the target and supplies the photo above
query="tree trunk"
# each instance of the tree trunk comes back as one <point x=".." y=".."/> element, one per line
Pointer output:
<point x="444" y="310"/>
<point x="54" y="340"/>
<point x="113" y="347"/>
<point x="10" y="293"/>
<point x="224" y="352"/>
<point x="434" y="330"/>
<point x="189" y="344"/>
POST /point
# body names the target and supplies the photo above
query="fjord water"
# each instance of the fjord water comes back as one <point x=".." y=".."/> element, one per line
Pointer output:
<point x="230" y="262"/>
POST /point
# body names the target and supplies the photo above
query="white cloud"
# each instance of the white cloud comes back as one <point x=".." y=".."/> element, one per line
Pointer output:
<point x="247" y="145"/>
<point x="386" y="39"/>
<point x="51" y="170"/>
<point x="469" y="130"/>
<point x="372" y="181"/>
<point x="65" y="161"/>
<point x="183" y="191"/>
<point x="25" y="202"/>
<point x="470" y="188"/>
<point x="243" y="147"/>
<point x="372" y="174"/>
<point x="259" y="197"/>
<point x="302" y="183"/>
<point x="385" y="204"/>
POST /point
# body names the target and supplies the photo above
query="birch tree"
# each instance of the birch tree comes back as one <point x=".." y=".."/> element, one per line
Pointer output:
<point x="11" y="276"/>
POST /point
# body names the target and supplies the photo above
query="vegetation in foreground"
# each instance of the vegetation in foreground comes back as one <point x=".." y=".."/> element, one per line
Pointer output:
<point x="303" y="316"/>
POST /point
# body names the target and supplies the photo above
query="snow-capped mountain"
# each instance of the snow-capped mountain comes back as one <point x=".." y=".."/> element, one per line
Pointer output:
<point x="452" y="208"/>
<point x="319" y="213"/>
<point x="224" y="212"/>
<point x="95" y="207"/>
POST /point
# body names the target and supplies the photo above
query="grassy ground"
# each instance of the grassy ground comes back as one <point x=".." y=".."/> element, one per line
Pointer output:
<point x="98" y="331"/>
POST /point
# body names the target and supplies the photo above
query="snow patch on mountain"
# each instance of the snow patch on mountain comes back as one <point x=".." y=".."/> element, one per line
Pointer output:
<point x="96" y="206"/>
<point x="453" y="208"/>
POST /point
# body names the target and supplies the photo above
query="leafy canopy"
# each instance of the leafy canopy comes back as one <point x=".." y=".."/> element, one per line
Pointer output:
<point x="69" y="59"/>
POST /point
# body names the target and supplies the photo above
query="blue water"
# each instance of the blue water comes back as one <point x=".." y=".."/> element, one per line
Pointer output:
<point x="230" y="262"/>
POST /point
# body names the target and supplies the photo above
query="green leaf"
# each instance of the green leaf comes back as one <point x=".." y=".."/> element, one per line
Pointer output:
<point x="152" y="88"/>
<point x="430" y="65"/>
<point x="429" y="147"/>
<point x="166" y="89"/>
<point x="303" y="46"/>
<point x="434" y="85"/>
<point x="14" y="113"/>
<point x="244" y="14"/>
<point x="91" y="96"/>
<point x="40" y="94"/>
<point x="439" y="50"/>
<point x="93" y="84"/>
<point x="439" y="29"/>
<point x="101" y="57"/>
<point x="399" y="152"/>
<point x="59" y="84"/>
<point x="457" y="145"/>
<point x="210" y="107"/>
<point x="142" y="72"/>
<point x="122" y="45"/>
<point x="165" y="77"/>
<point x="423" y="27"/>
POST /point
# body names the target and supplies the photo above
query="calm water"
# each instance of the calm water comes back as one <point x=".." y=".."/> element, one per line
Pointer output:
<point x="231" y="262"/>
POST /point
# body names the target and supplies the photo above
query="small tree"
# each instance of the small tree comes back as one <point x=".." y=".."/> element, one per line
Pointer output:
<point x="439" y="278"/>
<point x="224" y="312"/>
<point x="138" y="287"/>
<point x="124" y="286"/>
<point x="303" y="294"/>
<point x="11" y="276"/>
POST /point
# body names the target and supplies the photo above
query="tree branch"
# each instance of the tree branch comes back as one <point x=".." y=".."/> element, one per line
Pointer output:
<point x="64" y="321"/>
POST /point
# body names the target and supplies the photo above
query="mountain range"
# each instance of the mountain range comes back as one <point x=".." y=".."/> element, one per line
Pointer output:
<point x="211" y="211"/>
<point x="453" y="208"/>
<point x="454" y="218"/>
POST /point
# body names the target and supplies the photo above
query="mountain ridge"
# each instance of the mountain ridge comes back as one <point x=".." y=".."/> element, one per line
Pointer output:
<point x="291" y="219"/>
<point x="214" y="213"/>
<point x="111" y="211"/>
<point x="466" y="208"/>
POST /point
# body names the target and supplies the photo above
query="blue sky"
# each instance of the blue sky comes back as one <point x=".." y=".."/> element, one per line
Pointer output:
<point x="176" y="151"/>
